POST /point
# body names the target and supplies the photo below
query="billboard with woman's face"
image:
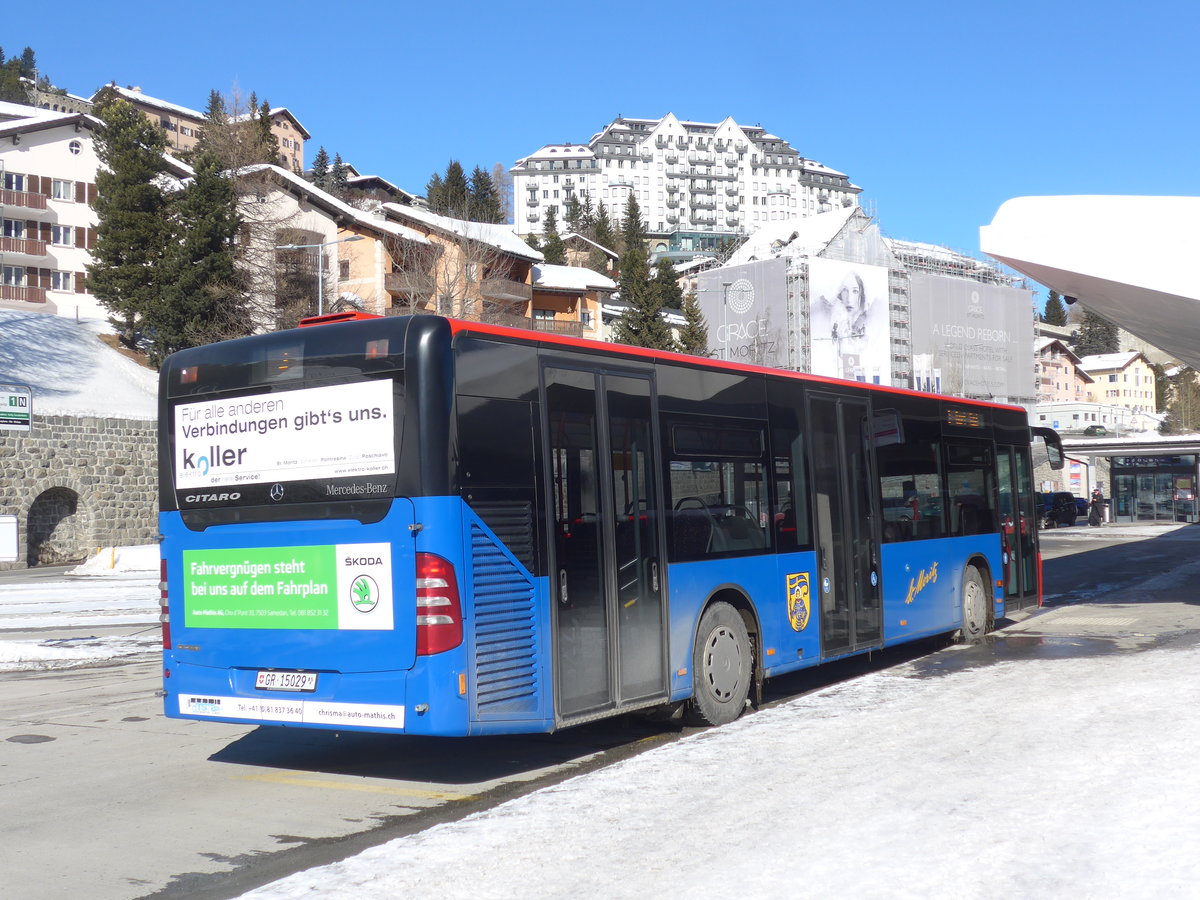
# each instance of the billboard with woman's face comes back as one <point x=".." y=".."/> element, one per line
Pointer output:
<point x="848" y="321"/>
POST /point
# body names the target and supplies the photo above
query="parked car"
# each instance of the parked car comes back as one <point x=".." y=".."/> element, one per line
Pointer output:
<point x="1095" y="431"/>
<point x="1081" y="506"/>
<point x="1058" y="509"/>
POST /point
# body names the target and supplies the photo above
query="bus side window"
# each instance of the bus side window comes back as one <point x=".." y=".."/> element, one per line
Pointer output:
<point x="791" y="510"/>
<point x="910" y="491"/>
<point x="970" y="488"/>
<point x="717" y="490"/>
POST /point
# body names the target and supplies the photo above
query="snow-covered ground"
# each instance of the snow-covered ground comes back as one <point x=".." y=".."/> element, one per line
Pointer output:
<point x="1038" y="778"/>
<point x="116" y="587"/>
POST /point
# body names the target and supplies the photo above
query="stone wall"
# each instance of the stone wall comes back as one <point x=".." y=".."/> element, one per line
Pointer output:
<point x="76" y="483"/>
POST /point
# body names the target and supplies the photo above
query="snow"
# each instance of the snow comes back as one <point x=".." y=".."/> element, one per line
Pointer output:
<point x="114" y="591"/>
<point x="571" y="278"/>
<point x="71" y="371"/>
<point x="793" y="238"/>
<point x="1044" y="777"/>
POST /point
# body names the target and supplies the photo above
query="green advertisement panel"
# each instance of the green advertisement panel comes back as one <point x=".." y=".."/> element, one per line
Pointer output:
<point x="330" y="586"/>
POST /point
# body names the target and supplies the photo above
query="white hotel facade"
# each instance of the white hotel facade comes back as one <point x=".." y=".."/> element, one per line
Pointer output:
<point x="697" y="183"/>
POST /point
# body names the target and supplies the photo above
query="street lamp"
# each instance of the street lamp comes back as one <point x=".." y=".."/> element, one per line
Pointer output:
<point x="725" y="285"/>
<point x="321" y="264"/>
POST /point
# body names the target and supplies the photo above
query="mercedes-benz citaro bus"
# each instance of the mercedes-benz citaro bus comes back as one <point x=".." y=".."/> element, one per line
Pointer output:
<point x="427" y="526"/>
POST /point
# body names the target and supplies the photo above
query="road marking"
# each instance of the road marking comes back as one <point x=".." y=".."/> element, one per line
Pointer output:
<point x="301" y="781"/>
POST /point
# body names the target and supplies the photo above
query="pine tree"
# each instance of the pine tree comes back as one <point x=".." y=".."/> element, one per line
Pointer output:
<point x="132" y="229"/>
<point x="28" y="63"/>
<point x="485" y="203"/>
<point x="1096" y="335"/>
<point x="641" y="325"/>
<point x="666" y="285"/>
<point x="202" y="300"/>
<point x="587" y="217"/>
<point x="339" y="178"/>
<point x="456" y="193"/>
<point x="1162" y="387"/>
<point x="532" y="240"/>
<point x="264" y="140"/>
<point x="11" y="88"/>
<point x="572" y="210"/>
<point x="552" y="246"/>
<point x="320" y="169"/>
<point x="693" y="336"/>
<point x="434" y="191"/>
<point x="1056" y="312"/>
<point x="1183" y="413"/>
<point x="602" y="234"/>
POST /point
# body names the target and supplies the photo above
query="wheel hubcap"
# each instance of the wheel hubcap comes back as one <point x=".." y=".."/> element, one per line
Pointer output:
<point x="973" y="610"/>
<point x="722" y="663"/>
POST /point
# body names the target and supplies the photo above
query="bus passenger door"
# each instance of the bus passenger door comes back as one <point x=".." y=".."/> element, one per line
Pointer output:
<point x="1018" y="525"/>
<point x="847" y="536"/>
<point x="608" y="570"/>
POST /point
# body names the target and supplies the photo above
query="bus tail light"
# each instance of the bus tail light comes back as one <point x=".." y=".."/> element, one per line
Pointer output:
<point x="165" y="615"/>
<point x="439" y="611"/>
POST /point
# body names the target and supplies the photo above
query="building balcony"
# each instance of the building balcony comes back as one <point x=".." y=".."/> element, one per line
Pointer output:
<point x="701" y="187"/>
<point x="672" y="157"/>
<point x="22" y="246"/>
<point x="23" y="199"/>
<point x="672" y="204"/>
<point x="558" y="326"/>
<point x="672" y="218"/>
<point x="22" y="294"/>
<point x="505" y="289"/>
<point x="404" y="284"/>
<point x="731" y="190"/>
<point x="532" y="201"/>
<point x="704" y="203"/>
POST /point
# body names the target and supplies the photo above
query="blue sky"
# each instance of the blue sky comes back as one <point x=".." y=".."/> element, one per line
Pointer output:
<point x="940" y="111"/>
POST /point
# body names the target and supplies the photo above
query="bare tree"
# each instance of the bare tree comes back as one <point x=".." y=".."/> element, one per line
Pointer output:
<point x="462" y="275"/>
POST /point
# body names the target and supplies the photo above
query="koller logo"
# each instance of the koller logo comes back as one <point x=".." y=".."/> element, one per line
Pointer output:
<point x="276" y="493"/>
<point x="364" y="593"/>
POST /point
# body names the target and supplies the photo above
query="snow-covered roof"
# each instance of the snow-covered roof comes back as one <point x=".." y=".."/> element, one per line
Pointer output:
<point x="574" y="235"/>
<point x="71" y="371"/>
<point x="1102" y="362"/>
<point x="335" y="206"/>
<point x="41" y="123"/>
<point x="571" y="278"/>
<point x="694" y="264"/>
<point x="9" y="110"/>
<point x="273" y="112"/>
<point x="501" y="237"/>
<point x="135" y="95"/>
<point x="793" y="238"/>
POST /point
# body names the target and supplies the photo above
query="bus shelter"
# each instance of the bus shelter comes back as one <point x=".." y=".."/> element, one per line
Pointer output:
<point x="1154" y="488"/>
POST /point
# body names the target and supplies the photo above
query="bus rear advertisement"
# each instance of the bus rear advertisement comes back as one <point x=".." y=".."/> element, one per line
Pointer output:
<point x="427" y="526"/>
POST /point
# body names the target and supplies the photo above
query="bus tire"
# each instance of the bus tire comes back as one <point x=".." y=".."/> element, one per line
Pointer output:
<point x="721" y="664"/>
<point x="974" y="607"/>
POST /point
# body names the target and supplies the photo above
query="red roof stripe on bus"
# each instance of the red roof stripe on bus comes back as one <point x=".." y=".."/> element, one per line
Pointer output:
<point x="462" y="326"/>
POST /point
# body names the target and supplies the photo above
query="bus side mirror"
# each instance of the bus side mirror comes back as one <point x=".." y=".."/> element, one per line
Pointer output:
<point x="1054" y="450"/>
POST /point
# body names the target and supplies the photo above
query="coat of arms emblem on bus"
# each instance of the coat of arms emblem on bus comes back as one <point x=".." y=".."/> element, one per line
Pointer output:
<point x="798" y="600"/>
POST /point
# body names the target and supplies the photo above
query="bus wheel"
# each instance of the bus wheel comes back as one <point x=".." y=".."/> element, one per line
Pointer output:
<point x="974" y="607"/>
<point x="720" y="668"/>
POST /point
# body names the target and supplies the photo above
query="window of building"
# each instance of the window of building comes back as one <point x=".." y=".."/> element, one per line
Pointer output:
<point x="62" y="235"/>
<point x="186" y="132"/>
<point x="62" y="190"/>
<point x="75" y="147"/>
<point x="343" y="269"/>
<point x="14" y="182"/>
<point x="13" y="276"/>
<point x="61" y="281"/>
<point x="13" y="229"/>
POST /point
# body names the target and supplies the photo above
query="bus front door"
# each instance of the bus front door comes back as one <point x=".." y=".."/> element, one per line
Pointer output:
<point x="608" y="563"/>
<point x="848" y="578"/>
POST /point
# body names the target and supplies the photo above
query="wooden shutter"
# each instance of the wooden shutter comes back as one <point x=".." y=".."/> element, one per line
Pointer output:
<point x="81" y="282"/>
<point x="91" y="193"/>
<point x="80" y="191"/>
<point x="80" y="237"/>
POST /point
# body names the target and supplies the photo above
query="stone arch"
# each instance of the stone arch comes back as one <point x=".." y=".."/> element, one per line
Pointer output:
<point x="58" y="525"/>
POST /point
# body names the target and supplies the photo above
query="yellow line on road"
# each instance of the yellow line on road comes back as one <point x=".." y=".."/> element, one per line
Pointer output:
<point x="366" y="787"/>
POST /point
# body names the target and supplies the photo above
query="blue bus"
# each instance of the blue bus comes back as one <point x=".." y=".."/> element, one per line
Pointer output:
<point x="427" y="526"/>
